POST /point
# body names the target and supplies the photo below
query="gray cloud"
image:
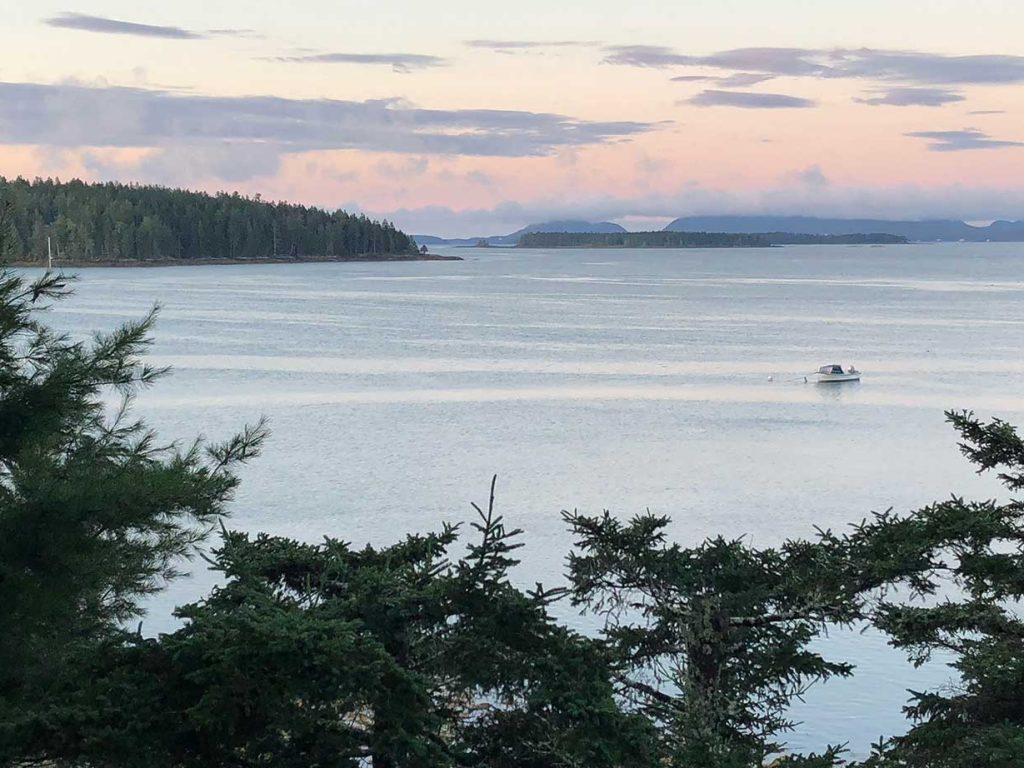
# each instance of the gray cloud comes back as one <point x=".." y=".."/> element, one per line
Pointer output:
<point x="259" y="128"/>
<point x="411" y="166"/>
<point x="911" y="67"/>
<point x="651" y="56"/>
<point x="738" y="80"/>
<point x="526" y="45"/>
<point x="481" y="178"/>
<point x="86" y="23"/>
<point x="183" y="165"/>
<point x="811" y="176"/>
<point x="961" y="141"/>
<point x="399" y="62"/>
<point x="744" y="80"/>
<point x="912" y="97"/>
<point x="250" y="33"/>
<point x="988" y="112"/>
<point x="746" y="100"/>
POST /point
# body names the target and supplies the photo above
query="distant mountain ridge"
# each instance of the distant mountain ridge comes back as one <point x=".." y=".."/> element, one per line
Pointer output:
<point x="573" y="226"/>
<point x="948" y="230"/>
<point x="921" y="231"/>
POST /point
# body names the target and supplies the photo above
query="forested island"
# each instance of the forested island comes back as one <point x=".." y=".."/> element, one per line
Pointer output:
<point x="696" y="239"/>
<point x="117" y="224"/>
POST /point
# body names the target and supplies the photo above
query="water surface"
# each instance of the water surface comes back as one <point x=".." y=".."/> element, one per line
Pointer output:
<point x="621" y="380"/>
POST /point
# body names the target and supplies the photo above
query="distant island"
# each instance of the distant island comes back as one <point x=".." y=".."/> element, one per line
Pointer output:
<point x="698" y="239"/>
<point x="511" y="239"/>
<point x="934" y="230"/>
<point x="928" y="231"/>
<point x="114" y="224"/>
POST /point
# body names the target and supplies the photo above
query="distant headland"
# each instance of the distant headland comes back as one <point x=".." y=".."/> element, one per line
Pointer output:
<point x="111" y="224"/>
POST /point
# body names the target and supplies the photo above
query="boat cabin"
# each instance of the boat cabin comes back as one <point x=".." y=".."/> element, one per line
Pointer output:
<point x="831" y="370"/>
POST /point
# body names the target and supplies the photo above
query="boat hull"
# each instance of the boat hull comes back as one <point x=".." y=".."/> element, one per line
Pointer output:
<point x="837" y="378"/>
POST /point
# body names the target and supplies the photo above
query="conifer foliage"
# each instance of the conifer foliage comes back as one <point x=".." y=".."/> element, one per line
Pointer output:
<point x="125" y="222"/>
<point x="95" y="512"/>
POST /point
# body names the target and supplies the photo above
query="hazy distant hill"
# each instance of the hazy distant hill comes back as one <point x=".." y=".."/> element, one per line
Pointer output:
<point x="938" y="229"/>
<point x="573" y="226"/>
<point x="688" y="239"/>
<point x="587" y="227"/>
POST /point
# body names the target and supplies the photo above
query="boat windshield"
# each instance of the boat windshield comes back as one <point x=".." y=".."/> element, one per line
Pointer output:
<point x="831" y="369"/>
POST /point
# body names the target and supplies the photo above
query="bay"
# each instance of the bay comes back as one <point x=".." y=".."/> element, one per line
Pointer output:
<point x="592" y="379"/>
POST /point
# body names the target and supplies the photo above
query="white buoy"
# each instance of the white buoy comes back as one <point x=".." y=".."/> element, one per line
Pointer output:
<point x="771" y="378"/>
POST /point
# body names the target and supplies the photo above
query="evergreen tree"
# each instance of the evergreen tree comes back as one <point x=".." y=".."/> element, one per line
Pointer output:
<point x="967" y="559"/>
<point x="712" y="643"/>
<point x="118" y="222"/>
<point x="8" y="234"/>
<point x="95" y="514"/>
<point x="325" y="655"/>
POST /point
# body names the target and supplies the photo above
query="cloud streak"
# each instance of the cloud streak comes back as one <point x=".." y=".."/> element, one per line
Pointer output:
<point x="506" y="46"/>
<point x="99" y="24"/>
<point x="260" y="128"/>
<point x="961" y="141"/>
<point x="748" y="100"/>
<point x="399" y="62"/>
<point x="912" y="97"/>
<point x="737" y="80"/>
<point x="896" y="66"/>
<point x="744" y="79"/>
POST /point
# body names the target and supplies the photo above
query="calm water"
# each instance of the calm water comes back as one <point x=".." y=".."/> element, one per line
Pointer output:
<point x="621" y="380"/>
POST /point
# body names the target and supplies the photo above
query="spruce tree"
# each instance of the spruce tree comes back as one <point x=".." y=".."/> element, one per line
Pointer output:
<point x="95" y="512"/>
<point x="967" y="564"/>
<point x="712" y="643"/>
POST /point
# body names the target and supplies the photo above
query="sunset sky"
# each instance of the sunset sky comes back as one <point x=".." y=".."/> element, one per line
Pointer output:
<point x="461" y="117"/>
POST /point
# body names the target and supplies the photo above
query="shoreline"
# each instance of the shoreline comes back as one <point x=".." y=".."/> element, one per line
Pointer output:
<point x="233" y="262"/>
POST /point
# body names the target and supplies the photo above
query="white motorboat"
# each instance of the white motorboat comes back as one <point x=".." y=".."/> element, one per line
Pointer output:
<point x="835" y="373"/>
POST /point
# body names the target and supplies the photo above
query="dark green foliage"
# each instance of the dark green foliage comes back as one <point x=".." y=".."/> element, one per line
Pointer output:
<point x="94" y="513"/>
<point x="967" y="560"/>
<point x="120" y="222"/>
<point x="10" y="246"/>
<point x="324" y="655"/>
<point x="693" y="239"/>
<point x="711" y="642"/>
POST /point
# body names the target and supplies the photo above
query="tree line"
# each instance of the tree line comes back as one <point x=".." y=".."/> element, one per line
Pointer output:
<point x="82" y="222"/>
<point x="426" y="653"/>
<point x="664" y="239"/>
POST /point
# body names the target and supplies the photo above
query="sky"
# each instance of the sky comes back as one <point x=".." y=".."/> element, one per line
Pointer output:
<point x="458" y="119"/>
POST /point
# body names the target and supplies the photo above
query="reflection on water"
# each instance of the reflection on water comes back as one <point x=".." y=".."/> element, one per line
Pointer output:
<point x="394" y="391"/>
<point x="848" y="393"/>
<point x="786" y="371"/>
